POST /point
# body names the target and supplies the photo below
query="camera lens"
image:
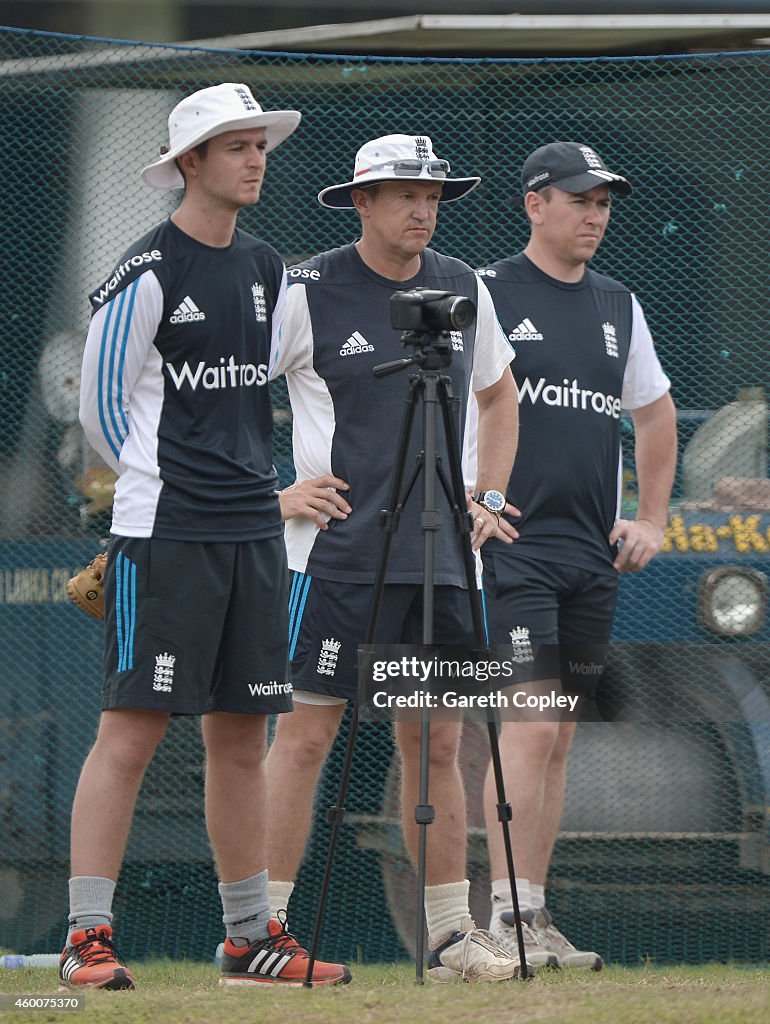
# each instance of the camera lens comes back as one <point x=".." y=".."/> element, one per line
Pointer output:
<point x="461" y="313"/>
<point x="449" y="313"/>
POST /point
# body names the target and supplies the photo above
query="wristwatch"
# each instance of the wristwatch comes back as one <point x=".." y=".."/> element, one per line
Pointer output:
<point x="493" y="501"/>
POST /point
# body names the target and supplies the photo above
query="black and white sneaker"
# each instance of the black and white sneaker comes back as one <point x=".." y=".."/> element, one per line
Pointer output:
<point x="92" y="961"/>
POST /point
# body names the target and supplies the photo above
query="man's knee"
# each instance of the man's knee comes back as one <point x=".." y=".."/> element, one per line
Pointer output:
<point x="529" y="740"/>
<point x="563" y="742"/>
<point x="305" y="736"/>
<point x="235" y="741"/>
<point x="127" y="740"/>
<point x="443" y="746"/>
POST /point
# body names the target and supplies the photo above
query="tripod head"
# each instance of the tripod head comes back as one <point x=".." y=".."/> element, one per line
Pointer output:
<point x="433" y="351"/>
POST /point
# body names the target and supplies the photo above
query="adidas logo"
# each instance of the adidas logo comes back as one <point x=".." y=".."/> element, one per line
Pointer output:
<point x="186" y="312"/>
<point x="526" y="331"/>
<point x="356" y="344"/>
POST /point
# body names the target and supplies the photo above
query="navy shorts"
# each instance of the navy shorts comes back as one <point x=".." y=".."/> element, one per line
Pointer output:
<point x="328" y="621"/>
<point x="555" y="619"/>
<point x="194" y="627"/>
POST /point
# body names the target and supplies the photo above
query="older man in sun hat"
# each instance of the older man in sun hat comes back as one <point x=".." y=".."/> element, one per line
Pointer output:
<point x="174" y="397"/>
<point x="337" y="327"/>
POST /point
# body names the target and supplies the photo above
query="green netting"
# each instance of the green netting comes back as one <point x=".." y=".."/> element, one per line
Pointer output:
<point x="665" y="843"/>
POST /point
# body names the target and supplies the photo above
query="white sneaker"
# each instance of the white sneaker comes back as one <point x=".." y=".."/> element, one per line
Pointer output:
<point x="503" y="928"/>
<point x="472" y="954"/>
<point x="549" y="936"/>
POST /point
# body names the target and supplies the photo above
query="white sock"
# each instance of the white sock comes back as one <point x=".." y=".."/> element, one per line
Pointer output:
<point x="446" y="909"/>
<point x="279" y="894"/>
<point x="502" y="898"/>
<point x="538" y="895"/>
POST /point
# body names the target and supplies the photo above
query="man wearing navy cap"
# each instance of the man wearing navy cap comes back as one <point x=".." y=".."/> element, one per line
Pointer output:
<point x="583" y="354"/>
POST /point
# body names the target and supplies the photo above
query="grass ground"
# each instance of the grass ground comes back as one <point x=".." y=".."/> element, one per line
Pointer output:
<point x="188" y="993"/>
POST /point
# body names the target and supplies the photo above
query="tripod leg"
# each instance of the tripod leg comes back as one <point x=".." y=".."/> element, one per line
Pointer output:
<point x="424" y="815"/>
<point x="504" y="816"/>
<point x="430" y="522"/>
<point x="336" y="816"/>
<point x="504" y="813"/>
<point x="390" y="515"/>
<point x="461" y="515"/>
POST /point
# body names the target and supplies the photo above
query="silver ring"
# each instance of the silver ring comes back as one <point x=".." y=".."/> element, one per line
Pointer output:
<point x="479" y="519"/>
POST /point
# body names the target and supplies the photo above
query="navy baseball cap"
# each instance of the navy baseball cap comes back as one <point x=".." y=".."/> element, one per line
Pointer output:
<point x="570" y="166"/>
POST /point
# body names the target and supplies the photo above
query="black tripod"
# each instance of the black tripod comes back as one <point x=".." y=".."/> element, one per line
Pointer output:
<point x="433" y="388"/>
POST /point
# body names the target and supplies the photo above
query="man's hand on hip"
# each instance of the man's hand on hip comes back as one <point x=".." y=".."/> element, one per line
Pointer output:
<point x="315" y="499"/>
<point x="486" y="524"/>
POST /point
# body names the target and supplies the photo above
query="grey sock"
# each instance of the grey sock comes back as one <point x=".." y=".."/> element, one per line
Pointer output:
<point x="90" y="902"/>
<point x="246" y="907"/>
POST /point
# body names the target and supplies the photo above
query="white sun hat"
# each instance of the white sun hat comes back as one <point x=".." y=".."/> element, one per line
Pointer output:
<point x="209" y="112"/>
<point x="394" y="158"/>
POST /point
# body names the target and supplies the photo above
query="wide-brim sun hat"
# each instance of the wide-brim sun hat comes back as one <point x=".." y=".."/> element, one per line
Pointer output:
<point x="396" y="158"/>
<point x="210" y="112"/>
<point x="572" y="167"/>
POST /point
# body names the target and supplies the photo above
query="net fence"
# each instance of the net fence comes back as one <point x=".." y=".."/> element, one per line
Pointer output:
<point x="664" y="850"/>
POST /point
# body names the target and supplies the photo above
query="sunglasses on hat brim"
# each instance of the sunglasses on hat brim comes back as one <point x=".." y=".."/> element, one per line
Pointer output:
<point x="411" y="168"/>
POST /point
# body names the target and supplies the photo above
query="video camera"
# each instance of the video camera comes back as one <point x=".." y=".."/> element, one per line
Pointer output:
<point x="428" y="311"/>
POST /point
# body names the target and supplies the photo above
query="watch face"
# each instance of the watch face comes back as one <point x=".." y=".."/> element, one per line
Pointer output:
<point x="494" y="500"/>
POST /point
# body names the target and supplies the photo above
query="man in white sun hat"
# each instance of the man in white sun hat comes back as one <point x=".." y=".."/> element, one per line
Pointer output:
<point x="174" y="397"/>
<point x="337" y="327"/>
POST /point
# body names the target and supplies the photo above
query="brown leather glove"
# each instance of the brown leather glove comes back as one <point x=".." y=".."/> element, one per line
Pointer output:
<point x="87" y="588"/>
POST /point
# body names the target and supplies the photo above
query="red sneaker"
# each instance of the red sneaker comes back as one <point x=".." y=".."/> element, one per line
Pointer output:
<point x="91" y="961"/>
<point x="277" y="960"/>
